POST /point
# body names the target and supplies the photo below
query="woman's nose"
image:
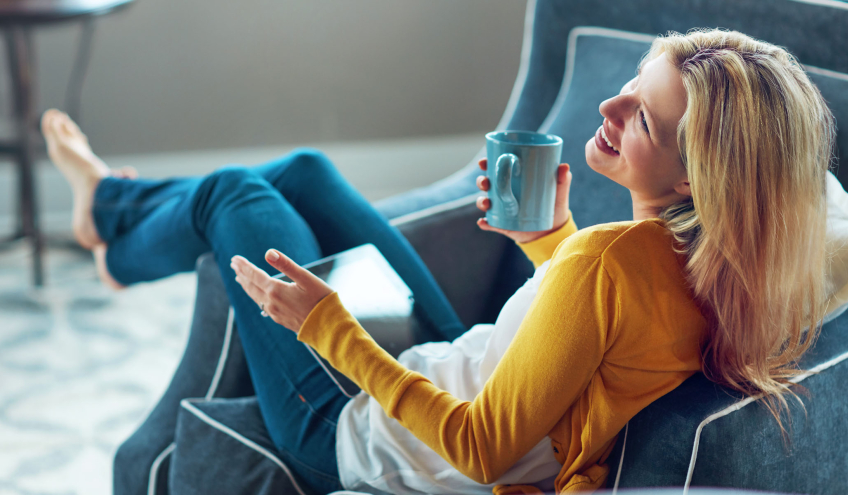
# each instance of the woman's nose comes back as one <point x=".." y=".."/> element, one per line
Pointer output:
<point x="611" y="109"/>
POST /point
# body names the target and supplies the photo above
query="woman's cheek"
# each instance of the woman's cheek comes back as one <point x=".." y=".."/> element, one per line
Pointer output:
<point x="638" y="161"/>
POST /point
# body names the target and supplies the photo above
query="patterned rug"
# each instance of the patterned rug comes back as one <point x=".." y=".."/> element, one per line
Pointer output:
<point x="80" y="367"/>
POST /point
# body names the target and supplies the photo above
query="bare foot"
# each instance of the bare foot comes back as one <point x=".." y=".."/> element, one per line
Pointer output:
<point x="125" y="172"/>
<point x="68" y="148"/>
<point x="106" y="278"/>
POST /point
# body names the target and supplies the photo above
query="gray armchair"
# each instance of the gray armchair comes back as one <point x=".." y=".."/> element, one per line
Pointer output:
<point x="575" y="55"/>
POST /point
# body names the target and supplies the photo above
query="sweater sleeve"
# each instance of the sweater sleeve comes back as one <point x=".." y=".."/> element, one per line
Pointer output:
<point x="557" y="349"/>
<point x="541" y="250"/>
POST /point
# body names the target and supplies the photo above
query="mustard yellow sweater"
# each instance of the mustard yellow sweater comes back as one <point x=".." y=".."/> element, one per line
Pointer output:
<point x="612" y="328"/>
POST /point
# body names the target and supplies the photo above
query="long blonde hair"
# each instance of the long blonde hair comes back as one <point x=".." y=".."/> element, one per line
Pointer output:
<point x="756" y="141"/>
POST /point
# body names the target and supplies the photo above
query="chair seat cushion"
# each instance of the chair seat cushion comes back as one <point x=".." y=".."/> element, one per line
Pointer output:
<point x="222" y="446"/>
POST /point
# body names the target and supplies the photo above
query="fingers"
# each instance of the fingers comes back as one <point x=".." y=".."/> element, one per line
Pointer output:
<point x="484" y="225"/>
<point x="483" y="203"/>
<point x="483" y="183"/>
<point x="255" y="292"/>
<point x="299" y="275"/>
<point x="252" y="273"/>
<point x="482" y="163"/>
<point x="245" y="278"/>
<point x="563" y="173"/>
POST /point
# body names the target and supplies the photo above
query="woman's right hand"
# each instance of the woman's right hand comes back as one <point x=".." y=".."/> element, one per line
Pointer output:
<point x="561" y="214"/>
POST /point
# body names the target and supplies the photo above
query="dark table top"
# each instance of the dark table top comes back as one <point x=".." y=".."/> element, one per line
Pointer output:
<point x="47" y="11"/>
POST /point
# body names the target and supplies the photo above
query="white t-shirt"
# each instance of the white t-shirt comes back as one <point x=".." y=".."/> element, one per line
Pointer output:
<point x="377" y="455"/>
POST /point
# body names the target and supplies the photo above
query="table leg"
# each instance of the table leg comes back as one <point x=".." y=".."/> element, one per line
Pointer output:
<point x="21" y="61"/>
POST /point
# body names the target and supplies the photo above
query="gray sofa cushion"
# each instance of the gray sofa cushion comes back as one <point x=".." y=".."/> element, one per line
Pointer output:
<point x="222" y="446"/>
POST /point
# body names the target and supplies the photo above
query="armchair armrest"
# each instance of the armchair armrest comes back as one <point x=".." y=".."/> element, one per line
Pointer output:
<point x="464" y="260"/>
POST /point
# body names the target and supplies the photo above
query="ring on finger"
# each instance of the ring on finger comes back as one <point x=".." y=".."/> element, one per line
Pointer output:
<point x="262" y="310"/>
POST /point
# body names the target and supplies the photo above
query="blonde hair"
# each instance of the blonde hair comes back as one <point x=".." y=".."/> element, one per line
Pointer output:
<point x="756" y="141"/>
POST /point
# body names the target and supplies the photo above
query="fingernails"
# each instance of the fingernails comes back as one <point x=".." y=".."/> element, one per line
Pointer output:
<point x="272" y="255"/>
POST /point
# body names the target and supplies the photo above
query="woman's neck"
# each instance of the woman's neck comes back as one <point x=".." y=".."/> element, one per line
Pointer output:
<point x="643" y="212"/>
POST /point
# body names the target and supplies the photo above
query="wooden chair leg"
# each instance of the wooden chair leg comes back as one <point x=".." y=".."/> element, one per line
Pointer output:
<point x="21" y="62"/>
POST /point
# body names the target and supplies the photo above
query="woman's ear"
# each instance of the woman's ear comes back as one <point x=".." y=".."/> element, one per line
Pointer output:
<point x="683" y="188"/>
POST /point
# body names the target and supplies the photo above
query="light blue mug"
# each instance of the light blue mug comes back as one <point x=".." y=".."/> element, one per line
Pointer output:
<point x="522" y="171"/>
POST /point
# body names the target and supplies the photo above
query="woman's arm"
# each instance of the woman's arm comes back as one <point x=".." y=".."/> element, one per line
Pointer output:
<point x="550" y="362"/>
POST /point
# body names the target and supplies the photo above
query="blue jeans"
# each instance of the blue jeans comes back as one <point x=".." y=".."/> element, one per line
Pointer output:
<point x="298" y="204"/>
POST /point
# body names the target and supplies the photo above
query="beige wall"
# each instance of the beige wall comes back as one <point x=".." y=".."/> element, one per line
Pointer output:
<point x="171" y="75"/>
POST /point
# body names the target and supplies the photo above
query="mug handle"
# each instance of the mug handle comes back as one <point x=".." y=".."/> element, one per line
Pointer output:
<point x="506" y="166"/>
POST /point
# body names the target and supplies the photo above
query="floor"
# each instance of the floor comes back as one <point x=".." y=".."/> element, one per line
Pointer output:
<point x="80" y="366"/>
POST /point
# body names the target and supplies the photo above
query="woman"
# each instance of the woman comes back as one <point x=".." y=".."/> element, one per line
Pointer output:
<point x="724" y="144"/>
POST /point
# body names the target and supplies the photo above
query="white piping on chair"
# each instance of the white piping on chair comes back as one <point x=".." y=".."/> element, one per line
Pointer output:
<point x="523" y="65"/>
<point x="826" y="3"/>
<point x="739" y="405"/>
<point x="222" y="359"/>
<point x="569" y="62"/>
<point x="432" y="210"/>
<point x="826" y="72"/>
<point x="186" y="404"/>
<point x="154" y="469"/>
<point x="213" y="387"/>
<point x="621" y="460"/>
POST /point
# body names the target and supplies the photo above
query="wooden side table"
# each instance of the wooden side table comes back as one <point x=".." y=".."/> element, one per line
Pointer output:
<point x="18" y="18"/>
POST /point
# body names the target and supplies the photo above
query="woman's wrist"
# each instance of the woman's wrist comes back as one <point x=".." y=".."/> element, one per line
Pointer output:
<point x="535" y="236"/>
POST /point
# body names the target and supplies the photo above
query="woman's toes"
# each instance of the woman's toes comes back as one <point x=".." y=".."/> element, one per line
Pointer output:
<point x="126" y="172"/>
<point x="47" y="117"/>
<point x="47" y="129"/>
<point x="69" y="128"/>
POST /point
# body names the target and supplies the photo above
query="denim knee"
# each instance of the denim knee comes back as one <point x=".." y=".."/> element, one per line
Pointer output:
<point x="222" y="189"/>
<point x="310" y="164"/>
<point x="230" y="174"/>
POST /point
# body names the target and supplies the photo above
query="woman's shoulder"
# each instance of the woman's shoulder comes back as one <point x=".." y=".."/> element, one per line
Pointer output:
<point x="616" y="241"/>
<point x="638" y="256"/>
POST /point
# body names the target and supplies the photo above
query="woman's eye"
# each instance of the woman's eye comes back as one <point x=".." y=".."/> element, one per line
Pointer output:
<point x="644" y="122"/>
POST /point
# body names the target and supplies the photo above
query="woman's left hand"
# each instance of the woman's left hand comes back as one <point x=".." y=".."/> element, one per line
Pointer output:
<point x="287" y="303"/>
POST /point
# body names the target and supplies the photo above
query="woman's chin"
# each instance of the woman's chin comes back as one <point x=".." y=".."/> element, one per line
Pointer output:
<point x="598" y="161"/>
<point x="594" y="157"/>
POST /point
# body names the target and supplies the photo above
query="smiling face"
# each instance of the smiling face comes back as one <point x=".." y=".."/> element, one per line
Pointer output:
<point x="641" y="124"/>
